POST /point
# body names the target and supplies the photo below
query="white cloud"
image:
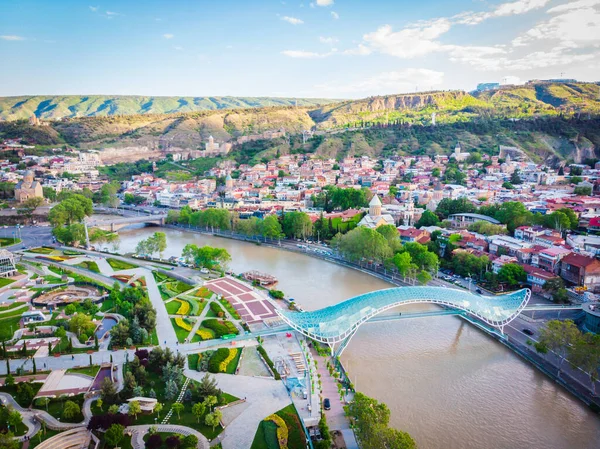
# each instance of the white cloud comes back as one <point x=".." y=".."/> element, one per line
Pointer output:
<point x="168" y="36"/>
<point x="574" y="26"/>
<point x="328" y="40"/>
<point x="502" y="10"/>
<point x="301" y="54"/>
<point x="94" y="8"/>
<point x="292" y="20"/>
<point x="178" y="48"/>
<point x="574" y="5"/>
<point x="510" y="79"/>
<point x="335" y="15"/>
<point x="414" y="40"/>
<point x="361" y="50"/>
<point x="405" y="80"/>
<point x="324" y="2"/>
<point x="112" y="13"/>
<point x="12" y="37"/>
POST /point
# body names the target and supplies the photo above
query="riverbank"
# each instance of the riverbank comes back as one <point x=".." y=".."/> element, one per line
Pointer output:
<point x="524" y="351"/>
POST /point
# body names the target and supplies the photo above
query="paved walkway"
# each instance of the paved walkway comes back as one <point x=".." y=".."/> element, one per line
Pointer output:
<point x="138" y="432"/>
<point x="263" y="396"/>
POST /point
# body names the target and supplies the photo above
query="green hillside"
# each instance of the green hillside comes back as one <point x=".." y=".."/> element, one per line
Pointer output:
<point x="550" y="122"/>
<point x="54" y="107"/>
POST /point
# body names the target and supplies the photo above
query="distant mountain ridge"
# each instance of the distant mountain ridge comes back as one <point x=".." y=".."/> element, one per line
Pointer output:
<point x="71" y="106"/>
<point x="550" y="121"/>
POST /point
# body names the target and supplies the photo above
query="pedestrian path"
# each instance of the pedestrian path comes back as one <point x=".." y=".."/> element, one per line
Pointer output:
<point x="138" y="432"/>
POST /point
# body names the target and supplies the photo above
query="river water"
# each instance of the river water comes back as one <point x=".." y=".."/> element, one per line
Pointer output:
<point x="446" y="383"/>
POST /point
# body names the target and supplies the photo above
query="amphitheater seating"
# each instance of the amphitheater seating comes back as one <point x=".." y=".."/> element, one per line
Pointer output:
<point x="70" y="439"/>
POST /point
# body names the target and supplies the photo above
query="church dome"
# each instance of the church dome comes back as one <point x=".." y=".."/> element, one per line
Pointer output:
<point x="375" y="201"/>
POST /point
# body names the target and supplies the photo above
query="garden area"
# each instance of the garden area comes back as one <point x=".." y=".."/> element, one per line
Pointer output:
<point x="222" y="360"/>
<point x="89" y="265"/>
<point x="66" y="409"/>
<point x="5" y="281"/>
<point x="184" y="326"/>
<point x="118" y="265"/>
<point x="159" y="374"/>
<point x="220" y="327"/>
<point x="6" y="241"/>
<point x="280" y="430"/>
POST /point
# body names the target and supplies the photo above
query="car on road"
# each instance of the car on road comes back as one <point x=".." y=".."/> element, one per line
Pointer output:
<point x="479" y="291"/>
<point x="204" y="270"/>
<point x="326" y="404"/>
<point x="528" y="332"/>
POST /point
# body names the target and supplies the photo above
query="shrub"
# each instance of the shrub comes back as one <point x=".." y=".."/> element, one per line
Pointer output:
<point x="269" y="362"/>
<point x="219" y="356"/>
<point x="220" y="327"/>
<point x="216" y="308"/>
<point x="223" y="365"/>
<point x="184" y="308"/>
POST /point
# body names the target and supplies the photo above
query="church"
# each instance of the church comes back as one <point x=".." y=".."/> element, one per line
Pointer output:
<point x="28" y="188"/>
<point x="375" y="218"/>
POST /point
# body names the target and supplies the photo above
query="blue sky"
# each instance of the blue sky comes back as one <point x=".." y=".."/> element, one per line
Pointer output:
<point x="323" y="48"/>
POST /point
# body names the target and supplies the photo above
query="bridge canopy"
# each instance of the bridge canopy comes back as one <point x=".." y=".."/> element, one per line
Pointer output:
<point x="335" y="323"/>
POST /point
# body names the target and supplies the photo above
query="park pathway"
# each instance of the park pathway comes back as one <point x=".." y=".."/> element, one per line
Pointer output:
<point x="138" y="432"/>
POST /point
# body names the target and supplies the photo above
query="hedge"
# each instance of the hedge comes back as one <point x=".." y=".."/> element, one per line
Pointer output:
<point x="297" y="438"/>
<point x="215" y="307"/>
<point x="220" y="328"/>
<point x="268" y="360"/>
<point x="218" y="356"/>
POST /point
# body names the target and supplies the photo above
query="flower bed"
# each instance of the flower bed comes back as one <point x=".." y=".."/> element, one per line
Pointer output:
<point x="184" y="308"/>
<point x="282" y="430"/>
<point x="224" y="360"/>
<point x="203" y="292"/>
<point x="220" y="327"/>
<point x="205" y="334"/>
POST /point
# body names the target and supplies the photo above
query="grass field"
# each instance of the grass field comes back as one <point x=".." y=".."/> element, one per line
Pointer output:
<point x="14" y="305"/>
<point x="87" y="370"/>
<point x="6" y="281"/>
<point x="181" y="333"/>
<point x="266" y="434"/>
<point x="8" y="325"/>
<point x="118" y="265"/>
<point x="89" y="265"/>
<point x="4" y="241"/>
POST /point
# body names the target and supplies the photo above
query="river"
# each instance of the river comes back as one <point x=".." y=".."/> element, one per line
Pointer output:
<point x="446" y="383"/>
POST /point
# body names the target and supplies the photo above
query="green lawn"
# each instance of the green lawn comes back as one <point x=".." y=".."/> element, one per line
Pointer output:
<point x="14" y="305"/>
<point x="12" y="390"/>
<point x="42" y="250"/>
<point x="107" y="305"/>
<point x="4" y="241"/>
<point x="181" y="333"/>
<point x="6" y="281"/>
<point x="87" y="370"/>
<point x="89" y="265"/>
<point x="53" y="279"/>
<point x="266" y="434"/>
<point x="193" y="361"/>
<point x="232" y="366"/>
<point x="118" y="265"/>
<point x="8" y="325"/>
<point x="154" y="338"/>
<point x="13" y="313"/>
<point x="173" y="307"/>
<point x="56" y="407"/>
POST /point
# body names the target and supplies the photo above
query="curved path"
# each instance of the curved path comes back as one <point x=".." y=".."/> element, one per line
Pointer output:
<point x="138" y="432"/>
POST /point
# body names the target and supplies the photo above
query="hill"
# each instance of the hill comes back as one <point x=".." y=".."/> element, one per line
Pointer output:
<point x="55" y="107"/>
<point x="550" y="122"/>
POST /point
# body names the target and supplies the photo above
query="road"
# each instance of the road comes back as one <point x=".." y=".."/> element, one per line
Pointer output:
<point x="31" y="236"/>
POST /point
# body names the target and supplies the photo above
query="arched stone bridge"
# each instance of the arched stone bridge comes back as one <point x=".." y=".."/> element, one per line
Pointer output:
<point x="118" y="223"/>
<point x="337" y="324"/>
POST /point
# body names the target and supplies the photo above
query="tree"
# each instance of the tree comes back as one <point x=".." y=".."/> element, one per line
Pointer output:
<point x="208" y="387"/>
<point x="391" y="235"/>
<point x="173" y="442"/>
<point x="157" y="408"/>
<point x="572" y="216"/>
<point x="171" y="390"/>
<point x="198" y="410"/>
<point x="14" y="418"/>
<point x="206" y="256"/>
<point x="513" y="214"/>
<point x="108" y="391"/>
<point x="557" y="220"/>
<point x="189" y="442"/>
<point x="8" y="441"/>
<point x="297" y="225"/>
<point x="134" y="408"/>
<point x="362" y="243"/>
<point x="585" y="354"/>
<point x="583" y="190"/>
<point x="403" y="262"/>
<point x="515" y="178"/>
<point x="213" y="419"/>
<point x="512" y="274"/>
<point x="210" y="402"/>
<point x="71" y="410"/>
<point x="44" y="402"/>
<point x="154" y="441"/>
<point x="136" y="200"/>
<point x="423" y="277"/>
<point x="448" y="207"/>
<point x="427" y="219"/>
<point x="178" y="408"/>
<point x="107" y="195"/>
<point x="114" y="434"/>
<point x="487" y="228"/>
<point x="559" y="336"/>
<point x="99" y="403"/>
<point x="25" y="393"/>
<point x="271" y="227"/>
<point x="81" y="325"/>
<point x="371" y="419"/>
<point x="73" y="209"/>
<point x="113" y="409"/>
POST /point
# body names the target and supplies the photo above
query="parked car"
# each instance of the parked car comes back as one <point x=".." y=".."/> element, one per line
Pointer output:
<point x="326" y="404"/>
<point x="528" y="332"/>
<point x="479" y="291"/>
<point x="204" y="270"/>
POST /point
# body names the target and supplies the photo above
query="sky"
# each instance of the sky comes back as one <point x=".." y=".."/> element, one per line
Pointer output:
<point x="291" y="48"/>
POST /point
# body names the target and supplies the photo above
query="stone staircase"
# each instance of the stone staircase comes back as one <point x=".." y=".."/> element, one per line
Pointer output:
<point x="70" y="439"/>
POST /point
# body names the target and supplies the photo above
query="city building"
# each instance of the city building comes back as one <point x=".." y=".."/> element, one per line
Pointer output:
<point x="28" y="188"/>
<point x="581" y="271"/>
<point x="7" y="264"/>
<point x="375" y="218"/>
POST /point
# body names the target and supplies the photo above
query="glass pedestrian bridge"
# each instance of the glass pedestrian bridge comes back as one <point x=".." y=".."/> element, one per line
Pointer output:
<point x="338" y="323"/>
